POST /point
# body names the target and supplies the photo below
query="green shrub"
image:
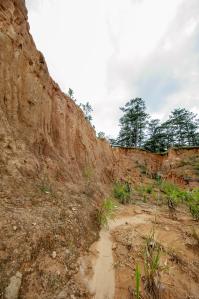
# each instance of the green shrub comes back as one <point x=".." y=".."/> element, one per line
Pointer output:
<point x="129" y="169"/>
<point x="109" y="209"/>
<point x="183" y="162"/>
<point x="142" y="167"/>
<point x="151" y="256"/>
<point x="149" y="189"/>
<point x="89" y="182"/>
<point x="121" y="191"/>
<point x="191" y="198"/>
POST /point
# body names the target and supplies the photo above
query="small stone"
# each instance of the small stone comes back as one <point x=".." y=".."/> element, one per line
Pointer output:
<point x="15" y="251"/>
<point x="72" y="297"/>
<point x="58" y="273"/>
<point x="12" y="291"/>
<point x="34" y="224"/>
<point x="54" y="254"/>
<point x="15" y="228"/>
<point x="166" y="228"/>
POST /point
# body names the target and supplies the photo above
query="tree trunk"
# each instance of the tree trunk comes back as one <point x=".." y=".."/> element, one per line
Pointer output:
<point x="136" y="134"/>
<point x="188" y="137"/>
<point x="130" y="134"/>
<point x="140" y="140"/>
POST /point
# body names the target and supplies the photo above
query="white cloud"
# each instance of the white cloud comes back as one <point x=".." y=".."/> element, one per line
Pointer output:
<point x="111" y="51"/>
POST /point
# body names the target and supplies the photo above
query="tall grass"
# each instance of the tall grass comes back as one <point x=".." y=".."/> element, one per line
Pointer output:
<point x="122" y="191"/>
<point x="108" y="210"/>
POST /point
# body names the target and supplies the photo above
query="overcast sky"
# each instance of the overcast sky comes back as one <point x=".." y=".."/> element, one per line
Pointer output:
<point x="111" y="51"/>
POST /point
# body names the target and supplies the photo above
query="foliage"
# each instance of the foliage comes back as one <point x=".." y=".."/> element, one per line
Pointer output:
<point x="180" y="130"/>
<point x="70" y="94"/>
<point x="86" y="108"/>
<point x="70" y="246"/>
<point x="151" y="256"/>
<point x="108" y="209"/>
<point x="121" y="191"/>
<point x="89" y="182"/>
<point x="191" y="198"/>
<point x="143" y="167"/>
<point x="49" y="188"/>
<point x="132" y="123"/>
<point x="141" y="189"/>
<point x="102" y="135"/>
<point x="149" y="189"/>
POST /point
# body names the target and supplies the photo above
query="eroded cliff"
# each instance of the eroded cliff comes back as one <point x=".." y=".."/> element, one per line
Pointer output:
<point x="43" y="132"/>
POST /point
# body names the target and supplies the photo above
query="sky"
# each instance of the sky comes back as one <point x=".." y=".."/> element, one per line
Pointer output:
<point x="111" y="51"/>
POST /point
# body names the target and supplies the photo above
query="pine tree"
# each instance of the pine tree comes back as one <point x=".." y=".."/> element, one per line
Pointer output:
<point x="185" y="127"/>
<point x="133" y="123"/>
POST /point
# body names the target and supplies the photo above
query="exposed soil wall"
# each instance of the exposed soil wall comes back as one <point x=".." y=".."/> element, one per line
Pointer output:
<point x="41" y="127"/>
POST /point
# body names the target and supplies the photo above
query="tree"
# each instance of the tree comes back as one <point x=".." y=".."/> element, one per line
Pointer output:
<point x="184" y="125"/>
<point x="70" y="94"/>
<point x="87" y="109"/>
<point x="152" y="143"/>
<point x="102" y="135"/>
<point x="133" y="123"/>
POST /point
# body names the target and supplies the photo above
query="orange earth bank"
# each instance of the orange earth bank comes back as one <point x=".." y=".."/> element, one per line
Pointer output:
<point x="47" y="206"/>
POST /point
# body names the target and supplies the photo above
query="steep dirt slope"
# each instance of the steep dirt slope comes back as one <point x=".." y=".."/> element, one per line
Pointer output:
<point x="45" y="145"/>
<point x="41" y="127"/>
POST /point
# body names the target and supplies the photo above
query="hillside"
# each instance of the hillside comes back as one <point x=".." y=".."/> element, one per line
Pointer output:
<point x="55" y="174"/>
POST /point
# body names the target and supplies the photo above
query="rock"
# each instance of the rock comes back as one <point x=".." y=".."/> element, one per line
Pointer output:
<point x="62" y="295"/>
<point x="54" y="254"/>
<point x="72" y="297"/>
<point x="58" y="273"/>
<point x="12" y="291"/>
<point x="15" y="228"/>
<point x="166" y="228"/>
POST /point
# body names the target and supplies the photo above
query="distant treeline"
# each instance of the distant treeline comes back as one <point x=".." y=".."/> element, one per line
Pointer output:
<point x="139" y="131"/>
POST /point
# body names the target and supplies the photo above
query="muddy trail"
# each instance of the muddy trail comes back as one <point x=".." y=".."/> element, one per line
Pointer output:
<point x="108" y="270"/>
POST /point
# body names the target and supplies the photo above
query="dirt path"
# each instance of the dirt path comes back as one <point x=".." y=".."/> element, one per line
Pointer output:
<point x="109" y="268"/>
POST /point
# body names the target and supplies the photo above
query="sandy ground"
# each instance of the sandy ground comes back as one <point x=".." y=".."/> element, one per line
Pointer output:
<point x="109" y="268"/>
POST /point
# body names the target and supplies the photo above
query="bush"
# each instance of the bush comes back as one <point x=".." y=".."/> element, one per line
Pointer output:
<point x="149" y="189"/>
<point x="121" y="191"/>
<point x="109" y="209"/>
<point x="151" y="254"/>
<point x="191" y="198"/>
<point x="89" y="183"/>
